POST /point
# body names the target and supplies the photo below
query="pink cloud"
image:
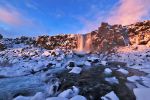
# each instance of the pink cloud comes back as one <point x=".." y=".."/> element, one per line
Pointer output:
<point x="129" y="11"/>
<point x="11" y="16"/>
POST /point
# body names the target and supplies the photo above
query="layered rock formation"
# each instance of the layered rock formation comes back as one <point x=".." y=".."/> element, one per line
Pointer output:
<point x="139" y="33"/>
<point x="104" y="38"/>
<point x="59" y="41"/>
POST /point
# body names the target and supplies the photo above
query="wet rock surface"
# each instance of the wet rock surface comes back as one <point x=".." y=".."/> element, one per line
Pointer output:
<point x="92" y="83"/>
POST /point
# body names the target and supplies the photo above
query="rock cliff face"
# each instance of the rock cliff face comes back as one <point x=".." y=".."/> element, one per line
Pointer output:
<point x="104" y="38"/>
<point x="59" y="41"/>
<point x="139" y="33"/>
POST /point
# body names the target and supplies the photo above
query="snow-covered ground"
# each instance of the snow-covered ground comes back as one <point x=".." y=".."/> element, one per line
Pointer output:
<point x="29" y="67"/>
<point x="136" y="57"/>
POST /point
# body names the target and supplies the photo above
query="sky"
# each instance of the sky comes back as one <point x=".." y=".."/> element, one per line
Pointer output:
<point x="52" y="17"/>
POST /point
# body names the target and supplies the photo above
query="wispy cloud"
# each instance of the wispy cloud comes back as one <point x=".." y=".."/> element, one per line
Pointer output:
<point x="96" y="17"/>
<point x="129" y="11"/>
<point x="11" y="16"/>
<point x="123" y="12"/>
<point x="17" y="22"/>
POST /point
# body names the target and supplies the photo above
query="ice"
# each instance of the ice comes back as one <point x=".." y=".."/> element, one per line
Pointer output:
<point x="110" y="96"/>
<point x="22" y="98"/>
<point x="39" y="96"/>
<point x="78" y="97"/>
<point x="123" y="71"/>
<point x="76" y="70"/>
<point x="104" y="63"/>
<point x="75" y="90"/>
<point x="69" y="93"/>
<point x="112" y="80"/>
<point x="66" y="94"/>
<point x="108" y="71"/>
<point x="142" y="93"/>
<point x="133" y="78"/>
<point x="57" y="98"/>
<point x="87" y="63"/>
<point x="146" y="81"/>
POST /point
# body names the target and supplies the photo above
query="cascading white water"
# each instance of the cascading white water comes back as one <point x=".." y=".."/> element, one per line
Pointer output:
<point x="84" y="42"/>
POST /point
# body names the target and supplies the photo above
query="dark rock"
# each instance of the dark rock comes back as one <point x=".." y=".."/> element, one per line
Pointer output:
<point x="115" y="63"/>
<point x="1" y="37"/>
<point x="71" y="64"/>
<point x="2" y="47"/>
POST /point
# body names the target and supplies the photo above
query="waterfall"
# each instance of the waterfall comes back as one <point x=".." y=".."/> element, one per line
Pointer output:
<point x="84" y="42"/>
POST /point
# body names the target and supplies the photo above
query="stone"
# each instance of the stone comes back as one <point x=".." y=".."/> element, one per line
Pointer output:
<point x="2" y="47"/>
<point x="78" y="97"/>
<point x="110" y="96"/>
<point x="1" y="37"/>
<point x="76" y="70"/>
<point x="57" y="98"/>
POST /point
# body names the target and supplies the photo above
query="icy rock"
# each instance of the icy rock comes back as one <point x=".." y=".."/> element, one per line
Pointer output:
<point x="75" y="90"/>
<point x="104" y="63"/>
<point x="58" y="65"/>
<point x="57" y="98"/>
<point x="46" y="53"/>
<point x="123" y="71"/>
<point x="39" y="96"/>
<point x="112" y="80"/>
<point x="76" y="70"/>
<point x="93" y="59"/>
<point x="80" y="63"/>
<point x="80" y="53"/>
<point x="78" y="97"/>
<point x="22" y="98"/>
<point x="87" y="63"/>
<point x="142" y="93"/>
<point x="110" y="96"/>
<point x="108" y="71"/>
<point x="69" y="93"/>
<point x="66" y="94"/>
<point x="146" y="81"/>
<point x="133" y="78"/>
<point x="54" y="85"/>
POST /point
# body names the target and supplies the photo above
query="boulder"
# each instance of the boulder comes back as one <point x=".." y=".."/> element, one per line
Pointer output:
<point x="2" y="47"/>
<point x="1" y="37"/>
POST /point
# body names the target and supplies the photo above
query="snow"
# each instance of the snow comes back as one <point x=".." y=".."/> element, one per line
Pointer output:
<point x="112" y="80"/>
<point x="76" y="90"/>
<point x="76" y="70"/>
<point x="22" y="98"/>
<point x="133" y="78"/>
<point x="46" y="53"/>
<point x="108" y="71"/>
<point x="146" y="81"/>
<point x="142" y="93"/>
<point x="57" y="98"/>
<point x="66" y="94"/>
<point x="87" y="63"/>
<point x="39" y="96"/>
<point x="135" y="58"/>
<point x="78" y="97"/>
<point x="110" y="96"/>
<point x="123" y="71"/>
<point x="104" y="63"/>
<point x="69" y="93"/>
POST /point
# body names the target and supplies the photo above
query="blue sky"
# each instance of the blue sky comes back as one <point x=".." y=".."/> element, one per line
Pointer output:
<point x="51" y="17"/>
